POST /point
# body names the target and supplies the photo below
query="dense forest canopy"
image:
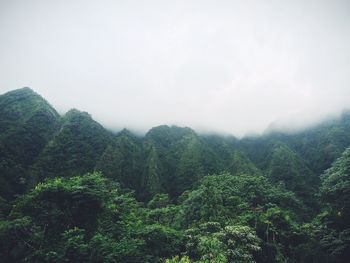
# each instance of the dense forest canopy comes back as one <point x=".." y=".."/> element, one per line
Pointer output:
<point x="72" y="191"/>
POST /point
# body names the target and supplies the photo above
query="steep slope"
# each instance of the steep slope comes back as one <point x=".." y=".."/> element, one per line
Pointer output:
<point x="288" y="168"/>
<point x="283" y="165"/>
<point x="223" y="147"/>
<point x="27" y="122"/>
<point x="333" y="224"/>
<point x="75" y="148"/>
<point x="229" y="157"/>
<point x="176" y="159"/>
<point x="170" y="160"/>
<point x="321" y="145"/>
<point x="335" y="192"/>
<point x="123" y="160"/>
<point x="166" y="160"/>
<point x="318" y="146"/>
<point x="240" y="164"/>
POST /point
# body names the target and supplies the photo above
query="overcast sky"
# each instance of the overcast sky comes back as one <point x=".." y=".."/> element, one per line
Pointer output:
<point x="227" y="66"/>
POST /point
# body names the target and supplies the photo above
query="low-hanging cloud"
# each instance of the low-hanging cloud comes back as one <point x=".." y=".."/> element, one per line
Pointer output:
<point x="227" y="66"/>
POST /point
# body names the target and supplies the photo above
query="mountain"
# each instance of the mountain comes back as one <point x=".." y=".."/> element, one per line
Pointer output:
<point x="123" y="160"/>
<point x="176" y="159"/>
<point x="334" y="233"/>
<point x="321" y="145"/>
<point x="298" y="159"/>
<point x="37" y="143"/>
<point x="288" y="168"/>
<point x="70" y="190"/>
<point x="27" y="122"/>
<point x="74" y="149"/>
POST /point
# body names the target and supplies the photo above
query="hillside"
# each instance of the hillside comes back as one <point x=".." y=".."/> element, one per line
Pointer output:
<point x="70" y="187"/>
<point x="27" y="123"/>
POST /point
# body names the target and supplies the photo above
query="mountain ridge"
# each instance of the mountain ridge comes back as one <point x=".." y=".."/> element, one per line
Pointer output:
<point x="72" y="190"/>
<point x="170" y="159"/>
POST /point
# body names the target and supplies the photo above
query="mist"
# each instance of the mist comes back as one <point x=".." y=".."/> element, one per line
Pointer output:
<point x="225" y="66"/>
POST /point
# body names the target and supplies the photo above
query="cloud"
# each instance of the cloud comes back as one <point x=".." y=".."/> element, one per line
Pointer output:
<point x="227" y="66"/>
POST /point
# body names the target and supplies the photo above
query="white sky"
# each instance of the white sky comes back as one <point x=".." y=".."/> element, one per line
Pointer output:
<point x="226" y="66"/>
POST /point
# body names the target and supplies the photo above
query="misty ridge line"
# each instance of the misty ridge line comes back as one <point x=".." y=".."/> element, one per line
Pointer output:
<point x="229" y="67"/>
<point x="273" y="128"/>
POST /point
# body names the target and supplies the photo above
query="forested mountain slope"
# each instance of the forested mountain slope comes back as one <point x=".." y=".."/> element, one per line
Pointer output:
<point x="74" y="148"/>
<point x="123" y="160"/>
<point x="165" y="160"/>
<point x="319" y="146"/>
<point x="170" y="194"/>
<point x="27" y="123"/>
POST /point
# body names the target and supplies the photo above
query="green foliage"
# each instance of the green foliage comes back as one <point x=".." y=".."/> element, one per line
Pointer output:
<point x="12" y="179"/>
<point x="241" y="243"/>
<point x="318" y="146"/>
<point x="327" y="238"/>
<point x="75" y="148"/>
<point x="60" y="204"/>
<point x="152" y="181"/>
<point x="178" y="259"/>
<point x="335" y="193"/>
<point x="287" y="168"/>
<point x="170" y="239"/>
<point x="226" y="197"/>
<point x="323" y="144"/>
<point x="84" y="219"/>
<point x="209" y="242"/>
<point x="17" y="238"/>
<point x="250" y="201"/>
<point x="27" y="122"/>
<point x="168" y="216"/>
<point x="242" y="165"/>
<point x="176" y="159"/>
<point x="267" y="207"/>
<point x="122" y="160"/>
<point x="159" y="201"/>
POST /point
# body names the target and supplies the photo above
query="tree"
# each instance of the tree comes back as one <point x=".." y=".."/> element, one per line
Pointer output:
<point x="335" y="193"/>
